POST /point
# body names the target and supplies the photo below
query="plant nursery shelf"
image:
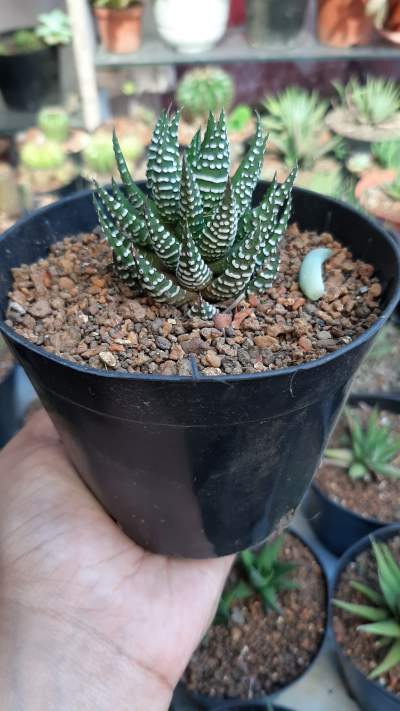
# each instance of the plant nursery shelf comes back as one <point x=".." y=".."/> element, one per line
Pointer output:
<point x="235" y="48"/>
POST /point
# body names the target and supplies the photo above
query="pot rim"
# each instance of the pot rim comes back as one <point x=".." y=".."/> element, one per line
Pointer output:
<point x="219" y="702"/>
<point x="196" y="375"/>
<point x="136" y="8"/>
<point x="354" y="399"/>
<point x="385" y="533"/>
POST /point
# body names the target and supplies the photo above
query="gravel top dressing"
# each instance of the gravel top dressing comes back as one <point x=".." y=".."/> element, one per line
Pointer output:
<point x="258" y="652"/>
<point x="72" y="304"/>
<point x="363" y="649"/>
<point x="378" y="497"/>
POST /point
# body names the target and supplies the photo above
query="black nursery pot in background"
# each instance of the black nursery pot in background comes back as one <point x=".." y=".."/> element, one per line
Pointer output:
<point x="337" y="527"/>
<point x="29" y="80"/>
<point x="197" y="466"/>
<point x="370" y="695"/>
<point x="274" y="21"/>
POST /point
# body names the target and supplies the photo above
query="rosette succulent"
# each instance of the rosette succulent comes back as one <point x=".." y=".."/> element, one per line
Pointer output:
<point x="195" y="238"/>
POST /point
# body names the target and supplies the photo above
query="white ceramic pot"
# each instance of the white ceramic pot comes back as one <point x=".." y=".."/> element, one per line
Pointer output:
<point x="191" y="26"/>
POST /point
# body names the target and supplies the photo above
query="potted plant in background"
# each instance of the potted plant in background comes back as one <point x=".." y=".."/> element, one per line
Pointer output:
<point x="344" y="23"/>
<point x="45" y="169"/>
<point x="368" y="112"/>
<point x="194" y="351"/>
<point x="268" y="629"/>
<point x="379" y="194"/>
<point x="119" y="23"/>
<point x="99" y="159"/>
<point x="295" y="121"/>
<point x="356" y="489"/>
<point x="272" y="21"/>
<point x="365" y="619"/>
<point x="386" y="18"/>
<point x="190" y="26"/>
<point x="29" y="61"/>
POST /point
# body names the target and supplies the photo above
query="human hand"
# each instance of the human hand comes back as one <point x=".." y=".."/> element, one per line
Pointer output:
<point x="88" y="620"/>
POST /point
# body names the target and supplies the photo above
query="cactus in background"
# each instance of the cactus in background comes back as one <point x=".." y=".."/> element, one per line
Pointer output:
<point x="98" y="155"/>
<point x="54" y="123"/>
<point x="45" y="155"/>
<point x="197" y="239"/>
<point x="203" y="90"/>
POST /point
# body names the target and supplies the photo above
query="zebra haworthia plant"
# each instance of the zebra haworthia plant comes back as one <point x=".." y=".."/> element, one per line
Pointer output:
<point x="195" y="238"/>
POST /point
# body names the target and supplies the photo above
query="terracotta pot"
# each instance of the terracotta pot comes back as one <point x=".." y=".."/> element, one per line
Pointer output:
<point x="120" y="30"/>
<point x="386" y="210"/>
<point x="343" y="23"/>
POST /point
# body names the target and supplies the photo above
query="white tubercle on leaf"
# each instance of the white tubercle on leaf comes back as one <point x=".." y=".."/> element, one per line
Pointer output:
<point x="311" y="276"/>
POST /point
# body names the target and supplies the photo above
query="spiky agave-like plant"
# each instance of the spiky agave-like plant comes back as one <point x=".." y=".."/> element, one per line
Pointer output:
<point x="373" y="103"/>
<point x="196" y="238"/>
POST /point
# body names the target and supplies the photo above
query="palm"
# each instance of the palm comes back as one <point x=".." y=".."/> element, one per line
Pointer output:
<point x="59" y="546"/>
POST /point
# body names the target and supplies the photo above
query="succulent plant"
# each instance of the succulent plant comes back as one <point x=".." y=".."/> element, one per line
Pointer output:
<point x="371" y="451"/>
<point x="26" y="41"/>
<point x="44" y="155"/>
<point x="203" y="90"/>
<point x="295" y="120"/>
<point x="264" y="574"/>
<point x="196" y="240"/>
<point x="387" y="153"/>
<point x="54" y="28"/>
<point x="98" y="154"/>
<point x="372" y="103"/>
<point x="54" y="123"/>
<point x="383" y="609"/>
<point x="326" y="183"/>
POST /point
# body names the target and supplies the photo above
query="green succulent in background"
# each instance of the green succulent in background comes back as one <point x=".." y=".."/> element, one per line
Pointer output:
<point x="54" y="123"/>
<point x="46" y="155"/>
<point x="204" y="89"/>
<point x="239" y="118"/>
<point x="374" y="102"/>
<point x="371" y="451"/>
<point x="26" y="41"/>
<point x="383" y="609"/>
<point x="4" y="50"/>
<point x="392" y="190"/>
<point x="98" y="154"/>
<point x="295" y="121"/>
<point x="387" y="154"/>
<point x="330" y="184"/>
<point x="265" y="575"/>
<point x="196" y="240"/>
<point x="54" y="28"/>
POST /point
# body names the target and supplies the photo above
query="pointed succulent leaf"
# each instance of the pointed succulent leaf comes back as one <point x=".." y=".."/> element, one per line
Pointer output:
<point x="191" y="202"/>
<point x="157" y="284"/>
<point x="122" y="255"/>
<point x="192" y="271"/>
<point x="164" y="244"/>
<point x="194" y="149"/>
<point x="220" y="232"/>
<point x="154" y="146"/>
<point x="123" y="214"/>
<point x="165" y="173"/>
<point x="212" y="166"/>
<point x="202" y="309"/>
<point x="238" y="271"/>
<point x="367" y="612"/>
<point x="387" y="628"/>
<point x="391" y="660"/>
<point x="265" y="275"/>
<point x="248" y="173"/>
<point x="369" y="593"/>
<point x="133" y="193"/>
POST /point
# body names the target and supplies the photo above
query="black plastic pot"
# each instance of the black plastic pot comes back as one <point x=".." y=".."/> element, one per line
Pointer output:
<point x="274" y="21"/>
<point x="248" y="706"/>
<point x="200" y="702"/>
<point x="370" y="695"/>
<point x="29" y="80"/>
<point x="337" y="527"/>
<point x="9" y="422"/>
<point x="197" y="466"/>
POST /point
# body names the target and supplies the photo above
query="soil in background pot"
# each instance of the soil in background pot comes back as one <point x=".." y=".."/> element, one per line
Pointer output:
<point x="363" y="649"/>
<point x="377" y="498"/>
<point x="381" y="369"/>
<point x="257" y="652"/>
<point x="72" y="304"/>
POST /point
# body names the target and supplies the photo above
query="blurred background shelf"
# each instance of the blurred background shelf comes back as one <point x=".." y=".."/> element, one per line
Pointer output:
<point x="236" y="48"/>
